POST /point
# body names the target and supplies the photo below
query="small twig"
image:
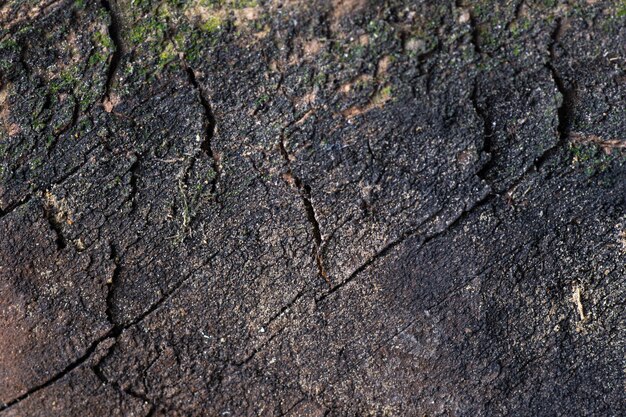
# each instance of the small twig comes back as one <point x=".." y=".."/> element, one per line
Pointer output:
<point x="606" y="144"/>
<point x="577" y="299"/>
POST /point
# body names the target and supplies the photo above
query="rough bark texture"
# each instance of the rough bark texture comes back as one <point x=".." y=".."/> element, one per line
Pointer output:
<point x="312" y="208"/>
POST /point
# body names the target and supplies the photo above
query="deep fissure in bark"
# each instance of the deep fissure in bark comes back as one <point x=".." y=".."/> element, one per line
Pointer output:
<point x="206" y="144"/>
<point x="114" y="332"/>
<point x="116" y="57"/>
<point x="567" y="89"/>
<point x="112" y="283"/>
<point x="56" y="226"/>
<point x="305" y="194"/>
<point x="567" y="108"/>
<point x="69" y="126"/>
<point x="484" y="201"/>
<point x="475" y="33"/>
<point x="69" y="368"/>
<point x="15" y="205"/>
<point x="568" y="92"/>
<point x="488" y="133"/>
<point x="134" y="169"/>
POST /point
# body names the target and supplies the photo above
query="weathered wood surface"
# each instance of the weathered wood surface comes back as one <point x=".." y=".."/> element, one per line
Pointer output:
<point x="315" y="208"/>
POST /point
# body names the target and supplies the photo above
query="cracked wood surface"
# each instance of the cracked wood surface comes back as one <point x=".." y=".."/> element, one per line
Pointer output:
<point x="330" y="208"/>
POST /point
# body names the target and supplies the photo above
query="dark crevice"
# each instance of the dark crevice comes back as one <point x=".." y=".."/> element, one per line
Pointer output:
<point x="485" y="200"/>
<point x="251" y="356"/>
<point x="268" y="323"/>
<point x="293" y="407"/>
<point x="55" y="225"/>
<point x="305" y="191"/>
<point x="67" y="127"/>
<point x="519" y="9"/>
<point x="97" y="370"/>
<point x="188" y="209"/>
<point x="13" y="206"/>
<point x="116" y="57"/>
<point x="565" y="112"/>
<point x="166" y="295"/>
<point x="488" y="134"/>
<point x="567" y="90"/>
<point x="22" y="60"/>
<point x="206" y="144"/>
<point x="111" y="284"/>
<point x="285" y="308"/>
<point x="75" y="115"/>
<point x="475" y="33"/>
<point x="46" y="105"/>
<point x="410" y="323"/>
<point x="134" y="169"/>
<point x="69" y="368"/>
<point x="72" y="171"/>
<point x="424" y="63"/>
<point x="24" y="200"/>
<point x="305" y="194"/>
<point x="114" y="333"/>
